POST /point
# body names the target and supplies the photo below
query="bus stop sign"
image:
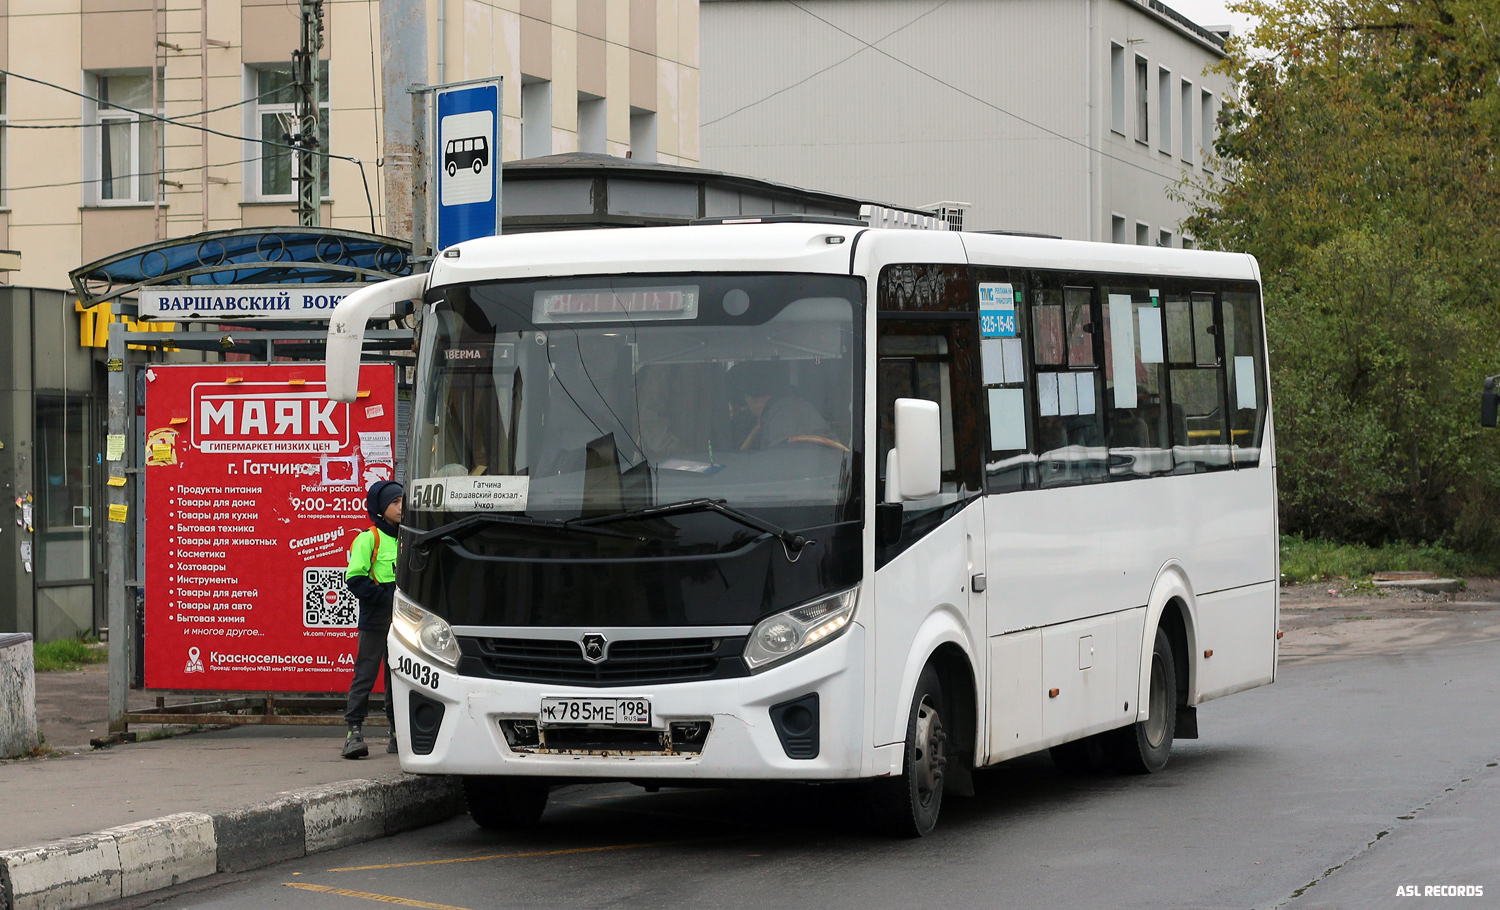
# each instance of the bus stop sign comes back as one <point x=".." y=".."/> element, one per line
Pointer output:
<point x="466" y="157"/>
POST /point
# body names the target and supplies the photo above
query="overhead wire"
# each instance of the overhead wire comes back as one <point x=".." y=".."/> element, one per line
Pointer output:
<point x="945" y="83"/>
<point x="74" y="126"/>
<point x="193" y="126"/>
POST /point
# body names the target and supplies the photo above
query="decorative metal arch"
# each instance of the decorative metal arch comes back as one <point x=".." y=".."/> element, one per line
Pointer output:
<point x="283" y="255"/>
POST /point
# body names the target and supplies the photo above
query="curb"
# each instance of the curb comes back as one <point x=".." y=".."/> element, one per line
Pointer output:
<point x="145" y="856"/>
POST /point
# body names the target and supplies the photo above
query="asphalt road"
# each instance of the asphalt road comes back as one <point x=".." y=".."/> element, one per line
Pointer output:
<point x="1333" y="788"/>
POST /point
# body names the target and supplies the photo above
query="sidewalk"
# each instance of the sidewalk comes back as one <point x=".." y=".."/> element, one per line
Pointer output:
<point x="92" y="789"/>
<point x="87" y="826"/>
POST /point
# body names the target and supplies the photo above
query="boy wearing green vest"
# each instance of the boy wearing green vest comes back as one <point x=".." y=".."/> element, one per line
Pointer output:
<point x="372" y="577"/>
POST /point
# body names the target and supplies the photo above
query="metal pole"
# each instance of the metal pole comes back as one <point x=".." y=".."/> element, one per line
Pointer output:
<point x="119" y="622"/>
<point x="420" y="241"/>
<point x="203" y="86"/>
<point x="403" y="61"/>
<point x="305" y="75"/>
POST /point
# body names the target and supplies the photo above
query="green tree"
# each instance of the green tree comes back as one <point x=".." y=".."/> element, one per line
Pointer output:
<point x="1358" y="166"/>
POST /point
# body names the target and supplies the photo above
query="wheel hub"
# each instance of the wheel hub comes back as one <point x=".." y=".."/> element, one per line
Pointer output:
<point x="931" y="752"/>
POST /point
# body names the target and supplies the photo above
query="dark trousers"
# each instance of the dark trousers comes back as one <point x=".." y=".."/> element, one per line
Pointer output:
<point x="369" y="660"/>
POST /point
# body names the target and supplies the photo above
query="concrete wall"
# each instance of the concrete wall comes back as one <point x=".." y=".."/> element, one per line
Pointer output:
<point x="18" y="727"/>
<point x="1000" y="103"/>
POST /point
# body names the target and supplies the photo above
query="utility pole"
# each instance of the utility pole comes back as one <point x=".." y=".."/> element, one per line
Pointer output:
<point x="305" y="80"/>
<point x="403" y="63"/>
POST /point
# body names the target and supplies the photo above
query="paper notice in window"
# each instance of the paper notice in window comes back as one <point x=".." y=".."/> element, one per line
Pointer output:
<point x="1151" y="348"/>
<point x="1067" y="394"/>
<point x="1086" y="393"/>
<point x="1015" y="361"/>
<point x="1122" y="349"/>
<point x="1046" y="394"/>
<point x="1244" y="383"/>
<point x="1007" y="420"/>
<point x="992" y="358"/>
<point x="376" y="446"/>
<point x="470" y="494"/>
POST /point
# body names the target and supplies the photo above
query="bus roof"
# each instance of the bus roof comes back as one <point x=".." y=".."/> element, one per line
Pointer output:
<point x="802" y="247"/>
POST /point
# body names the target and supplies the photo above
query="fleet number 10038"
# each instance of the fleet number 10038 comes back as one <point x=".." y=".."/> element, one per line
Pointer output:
<point x="421" y="674"/>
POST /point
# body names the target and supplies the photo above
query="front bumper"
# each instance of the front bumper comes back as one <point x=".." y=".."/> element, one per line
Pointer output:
<point x="742" y="744"/>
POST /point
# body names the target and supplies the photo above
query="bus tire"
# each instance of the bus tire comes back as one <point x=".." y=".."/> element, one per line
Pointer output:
<point x="506" y="803"/>
<point x="907" y="804"/>
<point x="1143" y="747"/>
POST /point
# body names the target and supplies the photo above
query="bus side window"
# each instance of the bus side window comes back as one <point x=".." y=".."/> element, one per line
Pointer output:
<point x="1070" y="431"/>
<point x="933" y="360"/>
<point x="1136" y="416"/>
<point x="1245" y="366"/>
<point x="1195" y="382"/>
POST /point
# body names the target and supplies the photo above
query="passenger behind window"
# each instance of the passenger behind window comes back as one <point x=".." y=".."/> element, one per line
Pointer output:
<point x="779" y="413"/>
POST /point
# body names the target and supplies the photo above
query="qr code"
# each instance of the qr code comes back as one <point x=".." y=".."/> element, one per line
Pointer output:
<point x="326" y="601"/>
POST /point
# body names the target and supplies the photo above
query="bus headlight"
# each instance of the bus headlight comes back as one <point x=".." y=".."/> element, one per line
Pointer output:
<point x="799" y="629"/>
<point x="425" y="632"/>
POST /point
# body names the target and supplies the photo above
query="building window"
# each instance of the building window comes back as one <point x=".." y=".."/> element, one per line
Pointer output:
<point x="275" y="113"/>
<point x="1164" y="238"/>
<point x="1117" y="229"/>
<point x="1187" y="121"/>
<point x="642" y="134"/>
<point x="1164" y="112"/>
<point x="1142" y="102"/>
<point x="1206" y="124"/>
<point x="64" y="519"/>
<point x="125" y="166"/>
<point x="536" y="117"/>
<point x="592" y="123"/>
<point x="1142" y="234"/>
<point x="1117" y="88"/>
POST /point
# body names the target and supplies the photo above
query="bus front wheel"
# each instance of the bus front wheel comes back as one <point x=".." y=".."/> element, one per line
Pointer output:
<point x="506" y="803"/>
<point x="1143" y="747"/>
<point x="452" y="169"/>
<point x="907" y="804"/>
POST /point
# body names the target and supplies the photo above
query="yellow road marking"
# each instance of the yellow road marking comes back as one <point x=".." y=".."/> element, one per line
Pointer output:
<point x="475" y="859"/>
<point x="366" y="895"/>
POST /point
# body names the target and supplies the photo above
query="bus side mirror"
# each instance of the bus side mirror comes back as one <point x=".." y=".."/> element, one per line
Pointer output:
<point x="346" y="330"/>
<point x="914" y="466"/>
<point x="1488" y="404"/>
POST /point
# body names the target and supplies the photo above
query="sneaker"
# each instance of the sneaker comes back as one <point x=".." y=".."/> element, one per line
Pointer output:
<point x="354" y="743"/>
<point x="390" y="747"/>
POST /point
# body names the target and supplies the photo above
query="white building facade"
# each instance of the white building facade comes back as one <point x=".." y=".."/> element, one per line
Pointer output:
<point x="1066" y="117"/>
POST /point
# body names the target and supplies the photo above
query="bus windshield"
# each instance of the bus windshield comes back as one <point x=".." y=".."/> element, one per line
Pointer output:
<point x="584" y="397"/>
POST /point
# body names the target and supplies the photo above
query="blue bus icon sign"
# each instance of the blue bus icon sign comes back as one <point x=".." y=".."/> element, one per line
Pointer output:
<point x="466" y="162"/>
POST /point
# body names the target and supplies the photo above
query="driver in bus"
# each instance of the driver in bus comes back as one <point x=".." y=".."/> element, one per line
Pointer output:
<point x="779" y="412"/>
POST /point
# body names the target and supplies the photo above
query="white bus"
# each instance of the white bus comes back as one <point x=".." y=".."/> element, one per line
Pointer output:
<point x="814" y="502"/>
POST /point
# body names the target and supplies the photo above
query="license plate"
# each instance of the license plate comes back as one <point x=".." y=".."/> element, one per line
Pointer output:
<point x="626" y="712"/>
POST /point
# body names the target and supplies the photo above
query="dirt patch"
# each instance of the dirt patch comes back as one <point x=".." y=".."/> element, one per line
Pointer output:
<point x="1334" y="620"/>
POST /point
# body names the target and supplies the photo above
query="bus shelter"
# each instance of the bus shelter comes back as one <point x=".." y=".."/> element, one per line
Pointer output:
<point x="253" y="297"/>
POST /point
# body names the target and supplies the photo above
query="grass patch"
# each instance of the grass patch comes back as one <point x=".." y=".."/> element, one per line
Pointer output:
<point x="1304" y="560"/>
<point x="68" y="654"/>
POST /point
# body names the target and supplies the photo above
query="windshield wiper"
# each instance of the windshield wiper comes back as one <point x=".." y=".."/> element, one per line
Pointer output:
<point x="793" y="541"/>
<point x="467" y="525"/>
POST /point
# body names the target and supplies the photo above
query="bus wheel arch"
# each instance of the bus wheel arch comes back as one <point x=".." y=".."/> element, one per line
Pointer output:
<point x="1170" y="609"/>
<point x="956" y="674"/>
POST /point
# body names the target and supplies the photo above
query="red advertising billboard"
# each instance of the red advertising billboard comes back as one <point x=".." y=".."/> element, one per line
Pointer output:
<point x="255" y="488"/>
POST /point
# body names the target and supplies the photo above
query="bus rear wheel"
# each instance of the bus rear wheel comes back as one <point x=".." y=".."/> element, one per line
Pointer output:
<point x="1143" y="747"/>
<point x="907" y="804"/>
<point x="506" y="803"/>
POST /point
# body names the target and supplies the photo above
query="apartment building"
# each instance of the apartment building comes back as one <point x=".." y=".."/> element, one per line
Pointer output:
<point x="84" y="175"/>
<point x="1066" y="117"/>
